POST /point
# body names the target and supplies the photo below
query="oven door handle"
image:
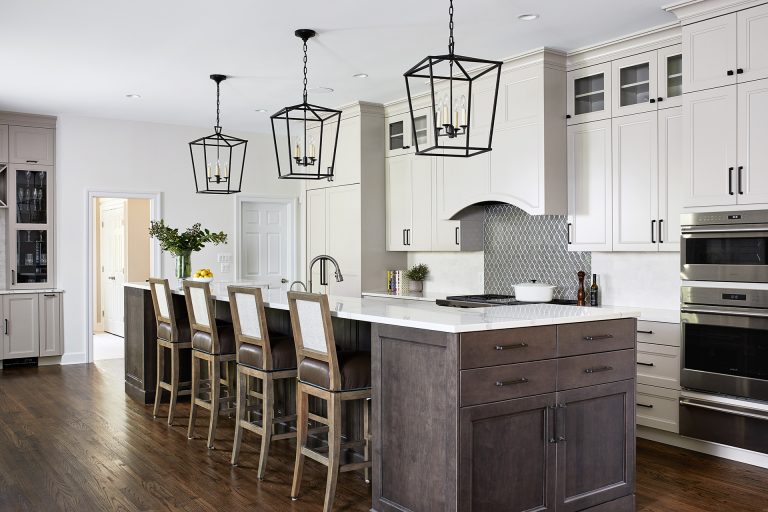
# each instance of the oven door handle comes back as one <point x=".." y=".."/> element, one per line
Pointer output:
<point x="752" y="312"/>
<point x="727" y="410"/>
<point x="750" y="228"/>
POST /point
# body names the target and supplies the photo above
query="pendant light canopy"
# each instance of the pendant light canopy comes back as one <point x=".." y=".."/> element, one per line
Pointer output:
<point x="218" y="160"/>
<point x="462" y="102"/>
<point x="306" y="135"/>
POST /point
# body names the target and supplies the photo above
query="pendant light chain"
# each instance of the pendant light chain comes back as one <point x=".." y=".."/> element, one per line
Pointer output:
<point x="218" y="106"/>
<point x="305" y="71"/>
<point x="450" y="28"/>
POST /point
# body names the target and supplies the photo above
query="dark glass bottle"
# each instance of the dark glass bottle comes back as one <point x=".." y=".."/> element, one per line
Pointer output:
<point x="594" y="299"/>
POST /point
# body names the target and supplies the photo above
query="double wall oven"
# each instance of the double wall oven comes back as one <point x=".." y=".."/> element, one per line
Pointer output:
<point x="724" y="322"/>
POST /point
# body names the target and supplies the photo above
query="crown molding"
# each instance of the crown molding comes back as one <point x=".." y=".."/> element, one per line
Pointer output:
<point x="33" y="120"/>
<point x="692" y="11"/>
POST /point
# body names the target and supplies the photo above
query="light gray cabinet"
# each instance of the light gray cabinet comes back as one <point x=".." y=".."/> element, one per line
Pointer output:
<point x="50" y="321"/>
<point x="21" y="330"/>
<point x="3" y="143"/>
<point x="31" y="145"/>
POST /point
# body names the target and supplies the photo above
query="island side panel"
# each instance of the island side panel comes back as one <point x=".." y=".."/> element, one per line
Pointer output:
<point x="140" y="354"/>
<point x="415" y="418"/>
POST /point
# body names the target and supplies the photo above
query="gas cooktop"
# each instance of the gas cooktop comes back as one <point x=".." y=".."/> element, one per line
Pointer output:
<point x="490" y="299"/>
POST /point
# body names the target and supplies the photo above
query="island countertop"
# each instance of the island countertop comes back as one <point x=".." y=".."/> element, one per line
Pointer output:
<point x="428" y="315"/>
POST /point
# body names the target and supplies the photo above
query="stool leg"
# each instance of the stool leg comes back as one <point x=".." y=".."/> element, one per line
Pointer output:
<point x="367" y="434"/>
<point x="334" y="449"/>
<point x="174" y="383"/>
<point x="195" y="392"/>
<point x="242" y="403"/>
<point x="302" y="414"/>
<point x="267" y="413"/>
<point x="215" y="398"/>
<point x="158" y="389"/>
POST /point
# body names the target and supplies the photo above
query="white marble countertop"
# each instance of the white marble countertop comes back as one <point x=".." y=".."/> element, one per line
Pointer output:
<point x="36" y="290"/>
<point x="427" y="315"/>
<point x="427" y="297"/>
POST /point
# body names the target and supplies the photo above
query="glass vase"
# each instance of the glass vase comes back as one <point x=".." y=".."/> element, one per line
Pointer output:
<point x="184" y="265"/>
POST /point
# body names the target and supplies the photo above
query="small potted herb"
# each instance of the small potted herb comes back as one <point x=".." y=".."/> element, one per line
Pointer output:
<point x="182" y="245"/>
<point x="416" y="276"/>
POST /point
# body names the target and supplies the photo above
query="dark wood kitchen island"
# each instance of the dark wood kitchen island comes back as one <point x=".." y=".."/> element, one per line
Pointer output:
<point x="503" y="408"/>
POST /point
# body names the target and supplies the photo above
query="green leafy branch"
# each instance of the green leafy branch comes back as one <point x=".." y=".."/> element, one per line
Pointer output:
<point x="191" y="240"/>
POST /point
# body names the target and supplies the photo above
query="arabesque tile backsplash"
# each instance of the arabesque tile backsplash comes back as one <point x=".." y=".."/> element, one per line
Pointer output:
<point x="520" y="247"/>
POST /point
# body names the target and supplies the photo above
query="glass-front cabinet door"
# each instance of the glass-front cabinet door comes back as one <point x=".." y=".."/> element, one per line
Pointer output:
<point x="634" y="84"/>
<point x="670" y="72"/>
<point x="29" y="225"/>
<point x="589" y="94"/>
<point x="401" y="137"/>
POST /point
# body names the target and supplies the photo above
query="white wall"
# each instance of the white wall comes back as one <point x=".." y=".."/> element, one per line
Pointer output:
<point x="640" y="279"/>
<point x="451" y="273"/>
<point x="99" y="154"/>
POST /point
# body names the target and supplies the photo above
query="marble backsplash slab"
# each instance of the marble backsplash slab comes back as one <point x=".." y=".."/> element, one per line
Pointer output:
<point x="520" y="247"/>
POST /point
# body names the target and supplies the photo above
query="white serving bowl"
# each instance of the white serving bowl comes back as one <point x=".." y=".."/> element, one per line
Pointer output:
<point x="201" y="279"/>
<point x="534" y="292"/>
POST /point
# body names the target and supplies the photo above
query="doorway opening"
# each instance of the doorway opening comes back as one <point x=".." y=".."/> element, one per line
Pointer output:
<point x="121" y="253"/>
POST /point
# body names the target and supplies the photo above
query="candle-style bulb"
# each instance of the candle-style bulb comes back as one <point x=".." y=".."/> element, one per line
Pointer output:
<point x="209" y="170"/>
<point x="298" y="151"/>
<point x="463" y="110"/>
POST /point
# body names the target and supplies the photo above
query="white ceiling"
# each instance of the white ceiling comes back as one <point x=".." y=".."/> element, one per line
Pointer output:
<point x="83" y="56"/>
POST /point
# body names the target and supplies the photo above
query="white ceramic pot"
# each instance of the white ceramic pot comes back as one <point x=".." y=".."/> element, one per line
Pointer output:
<point x="534" y="292"/>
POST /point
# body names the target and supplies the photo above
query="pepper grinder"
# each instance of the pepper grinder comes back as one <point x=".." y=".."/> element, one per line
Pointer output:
<point x="581" y="296"/>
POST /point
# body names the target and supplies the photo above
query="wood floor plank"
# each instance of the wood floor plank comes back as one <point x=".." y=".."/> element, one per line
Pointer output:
<point x="70" y="439"/>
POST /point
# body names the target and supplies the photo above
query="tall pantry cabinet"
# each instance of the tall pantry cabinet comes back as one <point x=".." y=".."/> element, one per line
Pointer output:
<point x="30" y="310"/>
<point x="345" y="218"/>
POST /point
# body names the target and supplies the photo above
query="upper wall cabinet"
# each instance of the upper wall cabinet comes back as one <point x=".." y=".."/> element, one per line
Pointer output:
<point x="634" y="84"/>
<point x="589" y="94"/>
<point x="726" y="50"/>
<point x="28" y="145"/>
<point x="3" y="143"/>
<point x="409" y="203"/>
<point x="402" y="134"/>
<point x="669" y="63"/>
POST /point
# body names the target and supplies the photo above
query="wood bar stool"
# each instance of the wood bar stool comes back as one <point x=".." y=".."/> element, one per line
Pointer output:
<point x="213" y="342"/>
<point x="328" y="375"/>
<point x="173" y="335"/>
<point x="262" y="356"/>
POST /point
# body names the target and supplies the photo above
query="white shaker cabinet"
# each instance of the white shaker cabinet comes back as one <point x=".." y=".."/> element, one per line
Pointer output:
<point x="31" y="145"/>
<point x="709" y="147"/>
<point x="752" y="171"/>
<point x="51" y="325"/>
<point x="752" y="43"/>
<point x="589" y="186"/>
<point x="709" y="50"/>
<point x="402" y="134"/>
<point x="589" y="94"/>
<point x="634" y="84"/>
<point x="635" y="183"/>
<point x="409" y="203"/>
<point x="669" y="63"/>
<point x="21" y="330"/>
<point x="671" y="178"/>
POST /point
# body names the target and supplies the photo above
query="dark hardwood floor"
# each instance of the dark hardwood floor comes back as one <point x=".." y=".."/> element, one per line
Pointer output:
<point x="71" y="440"/>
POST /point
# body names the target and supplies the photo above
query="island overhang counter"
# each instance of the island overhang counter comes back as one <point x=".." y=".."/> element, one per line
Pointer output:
<point x="526" y="407"/>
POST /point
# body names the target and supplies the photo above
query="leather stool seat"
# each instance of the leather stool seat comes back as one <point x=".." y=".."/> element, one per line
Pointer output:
<point x="354" y="367"/>
<point x="182" y="325"/>
<point x="203" y="341"/>
<point x="283" y="353"/>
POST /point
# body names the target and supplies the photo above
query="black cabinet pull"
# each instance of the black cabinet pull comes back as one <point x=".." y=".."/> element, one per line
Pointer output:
<point x="661" y="241"/>
<point x="512" y="346"/>
<point x="5" y="327"/>
<point x="568" y="228"/>
<point x="645" y="364"/>
<point x="739" y="71"/>
<point x="660" y="99"/>
<point x="408" y="236"/>
<point x="599" y="369"/>
<point x="404" y="241"/>
<point x="652" y="100"/>
<point x="31" y="161"/>
<point x="406" y="147"/>
<point x="645" y="332"/>
<point x="649" y="406"/>
<point x="456" y="236"/>
<point x="560" y="422"/>
<point x="738" y="177"/>
<point x="730" y="181"/>
<point x="598" y="337"/>
<point x="502" y="383"/>
<point x="653" y="231"/>
<point x="567" y="116"/>
<point x="729" y="72"/>
<point x="49" y="295"/>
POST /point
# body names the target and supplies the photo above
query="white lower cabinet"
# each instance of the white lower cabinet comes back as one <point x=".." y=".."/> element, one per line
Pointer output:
<point x="658" y="375"/>
<point x="32" y="325"/>
<point x="589" y="186"/>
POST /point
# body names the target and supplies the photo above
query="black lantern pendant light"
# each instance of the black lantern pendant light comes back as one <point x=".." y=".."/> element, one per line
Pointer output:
<point x="462" y="107"/>
<point x="306" y="135"/>
<point x="218" y="160"/>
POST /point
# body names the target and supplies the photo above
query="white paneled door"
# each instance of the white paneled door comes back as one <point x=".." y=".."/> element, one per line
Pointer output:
<point x="112" y="242"/>
<point x="670" y="178"/>
<point x="752" y="172"/>
<point x="752" y="29"/>
<point x="264" y="247"/>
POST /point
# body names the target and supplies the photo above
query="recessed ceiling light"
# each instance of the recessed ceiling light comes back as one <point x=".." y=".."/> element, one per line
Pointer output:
<point x="528" y="17"/>
<point x="360" y="75"/>
<point x="320" y="90"/>
<point x="133" y="96"/>
<point x="260" y="110"/>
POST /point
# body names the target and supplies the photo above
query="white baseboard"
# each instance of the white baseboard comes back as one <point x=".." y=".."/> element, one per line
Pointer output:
<point x="49" y="361"/>
<point x="73" y="358"/>
<point x="697" y="445"/>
